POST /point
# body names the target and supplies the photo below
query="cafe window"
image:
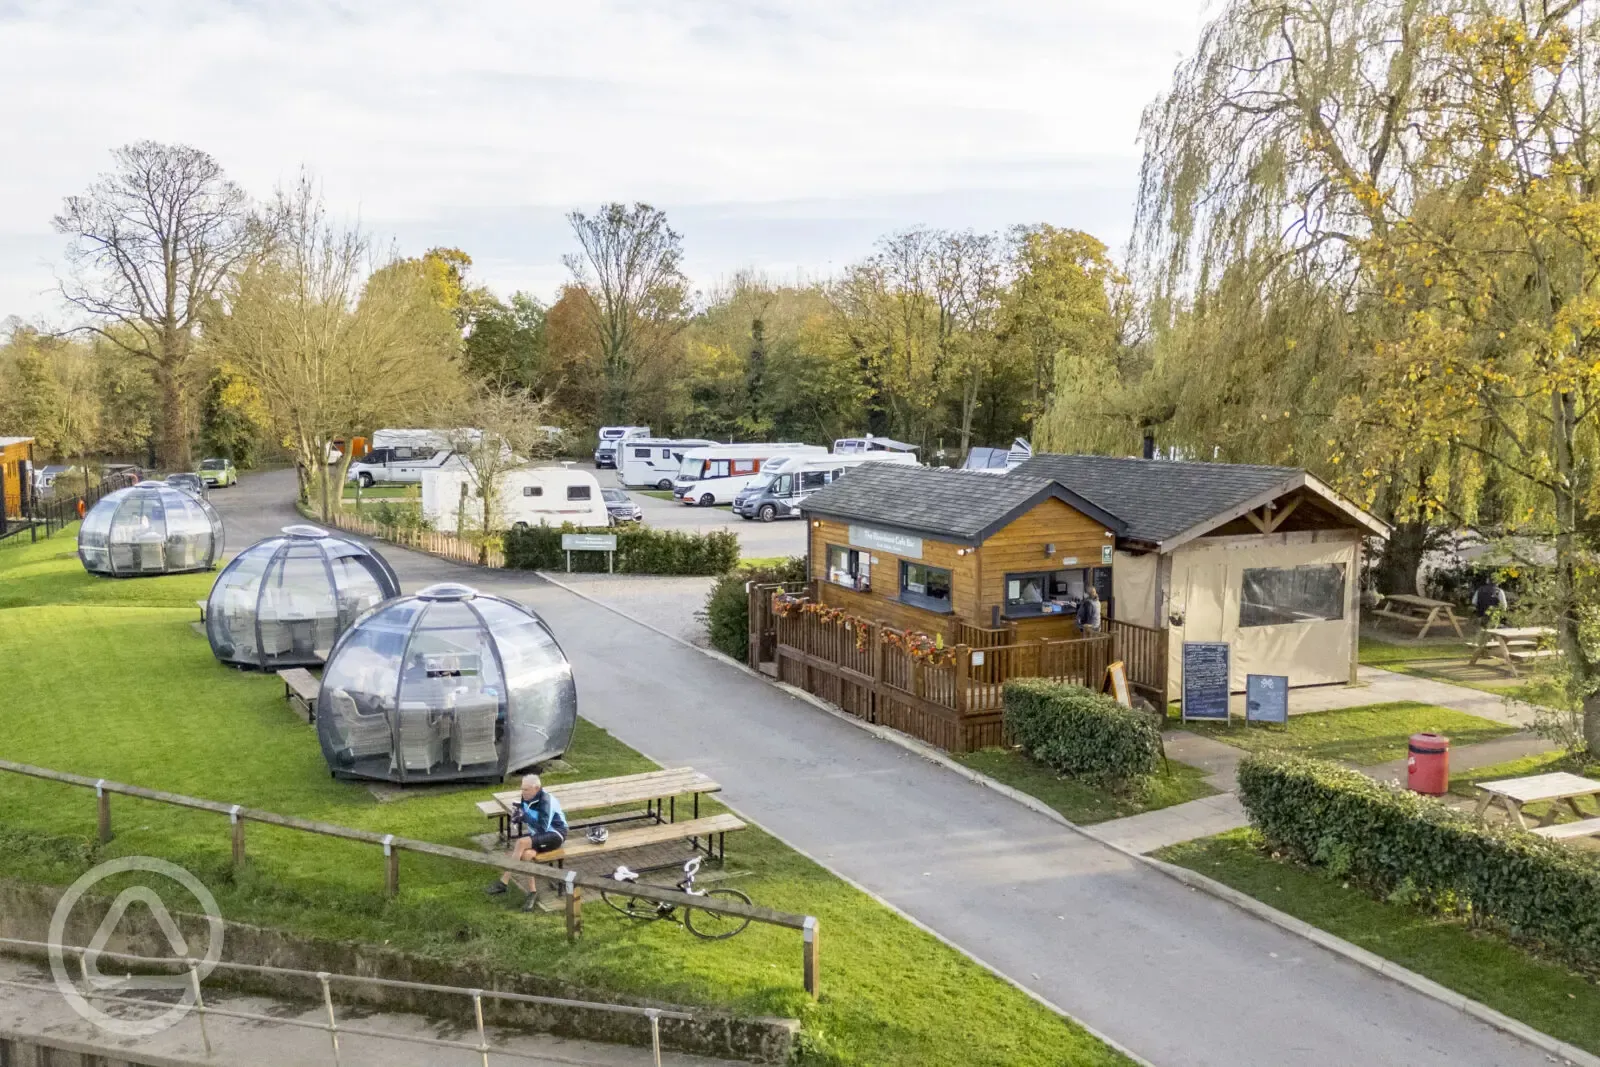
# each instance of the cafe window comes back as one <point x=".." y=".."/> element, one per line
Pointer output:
<point x="850" y="567"/>
<point x="1273" y="596"/>
<point x="1054" y="592"/>
<point x="925" y="587"/>
<point x="578" y="492"/>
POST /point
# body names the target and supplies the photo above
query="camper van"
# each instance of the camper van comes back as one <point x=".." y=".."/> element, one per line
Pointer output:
<point x="854" y="446"/>
<point x="400" y="464"/>
<point x="715" y="475"/>
<point x="605" y="452"/>
<point x="529" y="496"/>
<point x="653" y="461"/>
<point x="778" y="496"/>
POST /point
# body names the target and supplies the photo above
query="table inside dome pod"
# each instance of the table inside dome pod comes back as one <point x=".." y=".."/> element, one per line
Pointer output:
<point x="149" y="529"/>
<point x="449" y="684"/>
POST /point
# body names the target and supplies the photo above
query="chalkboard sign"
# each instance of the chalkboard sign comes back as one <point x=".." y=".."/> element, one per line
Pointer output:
<point x="1205" y="680"/>
<point x="1116" y="683"/>
<point x="1266" y="698"/>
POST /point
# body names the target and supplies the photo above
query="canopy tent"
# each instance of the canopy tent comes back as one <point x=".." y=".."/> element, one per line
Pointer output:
<point x="284" y="601"/>
<point x="445" y="685"/>
<point x="149" y="528"/>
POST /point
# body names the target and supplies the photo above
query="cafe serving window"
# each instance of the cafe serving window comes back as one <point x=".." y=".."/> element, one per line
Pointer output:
<point x="850" y="567"/>
<point x="925" y="587"/>
<point x="1054" y="592"/>
<point x="1273" y="596"/>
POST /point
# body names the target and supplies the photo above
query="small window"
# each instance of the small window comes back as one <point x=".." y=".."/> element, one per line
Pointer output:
<point x="783" y="485"/>
<point x="810" y="480"/>
<point x="641" y="453"/>
<point x="533" y="490"/>
<point x="924" y="586"/>
<point x="850" y="568"/>
<point x="666" y="453"/>
<point x="716" y="468"/>
<point x="745" y="466"/>
<point x="401" y="454"/>
<point x="577" y="492"/>
<point x="1273" y="596"/>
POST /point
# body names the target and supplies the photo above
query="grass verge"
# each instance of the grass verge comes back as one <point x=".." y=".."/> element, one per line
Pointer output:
<point x="108" y="678"/>
<point x="1475" y="963"/>
<point x="1077" y="801"/>
<point x="1364" y="736"/>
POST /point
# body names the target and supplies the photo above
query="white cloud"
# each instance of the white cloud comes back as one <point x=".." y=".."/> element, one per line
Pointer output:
<point x="787" y="134"/>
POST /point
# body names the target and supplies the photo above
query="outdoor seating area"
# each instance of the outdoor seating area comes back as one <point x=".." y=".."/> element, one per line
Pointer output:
<point x="1419" y="611"/>
<point x="149" y="529"/>
<point x="284" y="601"/>
<point x="1509" y="646"/>
<point x="444" y="685"/>
<point x="1559" y="790"/>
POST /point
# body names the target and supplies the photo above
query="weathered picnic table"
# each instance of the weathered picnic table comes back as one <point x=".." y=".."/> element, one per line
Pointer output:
<point x="1419" y="611"/>
<point x="1512" y="645"/>
<point x="1513" y="794"/>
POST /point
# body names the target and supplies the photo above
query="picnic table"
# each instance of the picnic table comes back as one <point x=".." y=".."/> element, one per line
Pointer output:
<point x="1512" y="645"/>
<point x="1419" y="611"/>
<point x="1513" y="794"/>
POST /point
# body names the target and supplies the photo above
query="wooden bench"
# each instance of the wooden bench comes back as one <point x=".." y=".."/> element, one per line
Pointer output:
<point x="1419" y="611"/>
<point x="201" y="604"/>
<point x="713" y="828"/>
<point x="652" y="788"/>
<point x="300" y="689"/>
<point x="1562" y="831"/>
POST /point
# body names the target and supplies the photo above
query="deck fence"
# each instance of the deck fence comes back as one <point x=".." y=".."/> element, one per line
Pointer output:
<point x="447" y="546"/>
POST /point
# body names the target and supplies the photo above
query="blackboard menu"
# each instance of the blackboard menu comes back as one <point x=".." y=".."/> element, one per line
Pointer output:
<point x="1205" y="680"/>
<point x="1266" y="698"/>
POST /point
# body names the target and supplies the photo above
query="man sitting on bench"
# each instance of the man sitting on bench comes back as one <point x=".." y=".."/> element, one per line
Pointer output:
<point x="537" y="825"/>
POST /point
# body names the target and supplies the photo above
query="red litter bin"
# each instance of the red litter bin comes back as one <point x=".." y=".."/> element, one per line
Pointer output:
<point x="1428" y="766"/>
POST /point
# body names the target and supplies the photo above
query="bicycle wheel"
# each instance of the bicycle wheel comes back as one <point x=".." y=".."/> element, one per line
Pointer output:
<point x="716" y="925"/>
<point x="631" y="906"/>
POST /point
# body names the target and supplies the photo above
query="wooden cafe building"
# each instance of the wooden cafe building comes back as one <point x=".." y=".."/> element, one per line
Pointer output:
<point x="928" y="587"/>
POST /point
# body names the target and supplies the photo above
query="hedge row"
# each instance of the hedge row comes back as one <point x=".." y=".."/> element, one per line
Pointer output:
<point x="1414" y="848"/>
<point x="1079" y="732"/>
<point x="640" y="550"/>
<point x="727" y="610"/>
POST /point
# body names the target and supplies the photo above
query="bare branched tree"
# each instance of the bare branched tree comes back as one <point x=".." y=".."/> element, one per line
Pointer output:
<point x="153" y="241"/>
<point x="509" y="429"/>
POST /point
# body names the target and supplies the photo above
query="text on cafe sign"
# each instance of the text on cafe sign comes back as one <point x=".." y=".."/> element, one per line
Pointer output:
<point x="896" y="544"/>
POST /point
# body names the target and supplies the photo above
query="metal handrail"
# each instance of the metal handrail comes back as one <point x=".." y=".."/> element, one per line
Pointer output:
<point x="326" y="980"/>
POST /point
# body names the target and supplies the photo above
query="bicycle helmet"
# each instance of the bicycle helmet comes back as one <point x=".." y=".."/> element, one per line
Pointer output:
<point x="598" y="834"/>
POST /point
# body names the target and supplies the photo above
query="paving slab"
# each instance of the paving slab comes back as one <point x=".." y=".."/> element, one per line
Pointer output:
<point x="1151" y="830"/>
<point x="1218" y="759"/>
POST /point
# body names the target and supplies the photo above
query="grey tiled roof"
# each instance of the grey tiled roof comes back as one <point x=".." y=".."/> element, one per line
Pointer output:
<point x="962" y="504"/>
<point x="1155" y="498"/>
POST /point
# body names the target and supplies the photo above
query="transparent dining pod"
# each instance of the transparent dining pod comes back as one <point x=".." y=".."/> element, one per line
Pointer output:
<point x="444" y="685"/>
<point x="147" y="529"/>
<point x="283" y="602"/>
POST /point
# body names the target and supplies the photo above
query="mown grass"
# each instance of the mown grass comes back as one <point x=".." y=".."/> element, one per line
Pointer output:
<point x="1376" y="652"/>
<point x="1447" y="662"/>
<point x="1475" y="963"/>
<point x="1364" y="736"/>
<point x="108" y="678"/>
<point x="1078" y="801"/>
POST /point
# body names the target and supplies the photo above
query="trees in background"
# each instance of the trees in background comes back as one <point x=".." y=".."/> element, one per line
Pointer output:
<point x="153" y="241"/>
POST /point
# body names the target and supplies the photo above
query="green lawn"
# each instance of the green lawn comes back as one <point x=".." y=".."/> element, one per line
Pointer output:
<point x="384" y="492"/>
<point x="1446" y="661"/>
<point x="1480" y="965"/>
<point x="108" y="678"/>
<point x="1376" y="652"/>
<point x="1363" y="736"/>
<point x="1077" y="801"/>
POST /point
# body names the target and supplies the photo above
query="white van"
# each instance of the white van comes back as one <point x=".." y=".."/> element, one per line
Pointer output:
<point x="531" y="496"/>
<point x="778" y="496"/>
<point x="715" y="475"/>
<point x="400" y="465"/>
<point x="605" y="450"/>
<point x="652" y="462"/>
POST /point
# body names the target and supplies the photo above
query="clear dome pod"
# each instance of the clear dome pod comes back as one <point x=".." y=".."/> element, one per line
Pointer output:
<point x="283" y="602"/>
<point x="147" y="529"/>
<point x="445" y="685"/>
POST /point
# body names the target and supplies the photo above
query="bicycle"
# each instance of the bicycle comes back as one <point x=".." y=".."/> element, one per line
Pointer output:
<point x="702" y="923"/>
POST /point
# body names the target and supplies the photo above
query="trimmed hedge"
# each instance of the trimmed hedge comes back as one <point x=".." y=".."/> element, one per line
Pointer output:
<point x="1077" y="731"/>
<point x="640" y="550"/>
<point x="727" y="610"/>
<point x="1415" y="849"/>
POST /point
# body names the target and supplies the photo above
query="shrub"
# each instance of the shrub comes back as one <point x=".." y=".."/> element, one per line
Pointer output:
<point x="399" y="515"/>
<point x="727" y="610"/>
<point x="1077" y="731"/>
<point x="640" y="550"/>
<point x="1400" y="844"/>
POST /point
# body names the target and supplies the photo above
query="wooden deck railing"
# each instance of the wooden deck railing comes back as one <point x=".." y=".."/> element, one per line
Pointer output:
<point x="1143" y="651"/>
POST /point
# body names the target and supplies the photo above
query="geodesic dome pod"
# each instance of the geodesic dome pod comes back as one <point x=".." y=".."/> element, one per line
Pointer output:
<point x="283" y="602"/>
<point x="444" y="685"/>
<point x="149" y="528"/>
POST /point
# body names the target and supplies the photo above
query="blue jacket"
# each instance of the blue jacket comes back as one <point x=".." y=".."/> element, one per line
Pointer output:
<point x="541" y="814"/>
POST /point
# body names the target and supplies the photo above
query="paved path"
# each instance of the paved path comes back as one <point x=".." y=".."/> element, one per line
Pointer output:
<point x="1378" y="686"/>
<point x="1179" y="977"/>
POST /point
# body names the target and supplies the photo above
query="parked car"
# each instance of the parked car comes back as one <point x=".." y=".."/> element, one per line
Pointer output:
<point x="218" y="473"/>
<point x="620" y="506"/>
<point x="192" y="484"/>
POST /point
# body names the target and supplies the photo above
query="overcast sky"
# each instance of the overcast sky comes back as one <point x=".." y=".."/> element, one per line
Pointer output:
<point x="785" y="136"/>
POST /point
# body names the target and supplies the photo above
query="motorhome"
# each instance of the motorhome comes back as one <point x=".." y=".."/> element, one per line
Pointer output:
<point x="605" y="452"/>
<point x="400" y="464"/>
<point x="652" y="462"/>
<point x="715" y="475"/>
<point x="422" y="438"/>
<point x="778" y="496"/>
<point x="851" y="446"/>
<point x="528" y="496"/>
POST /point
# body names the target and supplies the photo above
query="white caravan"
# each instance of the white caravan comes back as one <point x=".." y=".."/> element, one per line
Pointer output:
<point x="653" y="462"/>
<point x="778" y="495"/>
<point x="854" y="446"/>
<point x="529" y="496"/>
<point x="605" y="450"/>
<point x="715" y="475"/>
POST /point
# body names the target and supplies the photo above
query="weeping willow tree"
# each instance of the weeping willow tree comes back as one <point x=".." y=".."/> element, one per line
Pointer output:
<point x="1413" y="183"/>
